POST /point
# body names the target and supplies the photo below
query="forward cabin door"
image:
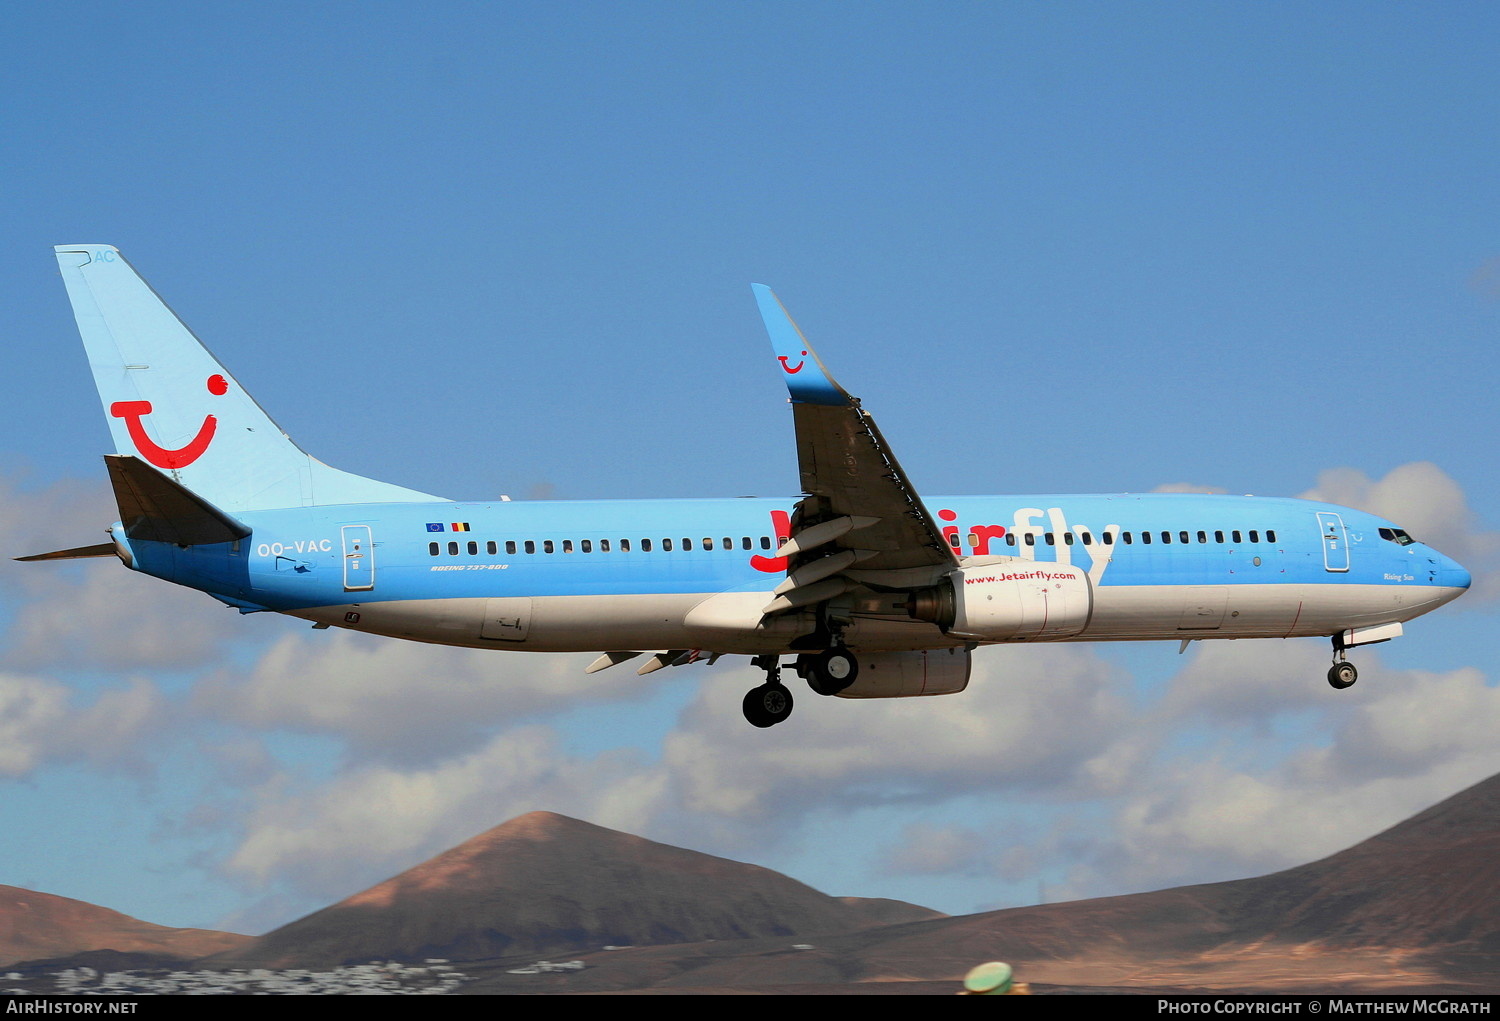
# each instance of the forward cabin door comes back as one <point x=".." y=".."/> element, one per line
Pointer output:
<point x="1335" y="541"/>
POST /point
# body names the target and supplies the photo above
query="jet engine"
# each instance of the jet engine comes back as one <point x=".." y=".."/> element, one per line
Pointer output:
<point x="1012" y="600"/>
<point x="906" y="674"/>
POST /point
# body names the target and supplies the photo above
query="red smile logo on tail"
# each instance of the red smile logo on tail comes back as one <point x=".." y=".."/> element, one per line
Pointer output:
<point x="133" y="412"/>
<point x="786" y="365"/>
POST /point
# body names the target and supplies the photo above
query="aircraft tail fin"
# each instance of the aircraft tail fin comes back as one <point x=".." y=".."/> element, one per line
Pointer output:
<point x="170" y="402"/>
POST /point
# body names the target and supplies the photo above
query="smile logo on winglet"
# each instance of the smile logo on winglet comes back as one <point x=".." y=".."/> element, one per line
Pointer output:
<point x="134" y="413"/>
<point x="788" y="368"/>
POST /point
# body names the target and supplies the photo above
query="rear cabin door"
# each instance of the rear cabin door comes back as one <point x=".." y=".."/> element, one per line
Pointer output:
<point x="359" y="558"/>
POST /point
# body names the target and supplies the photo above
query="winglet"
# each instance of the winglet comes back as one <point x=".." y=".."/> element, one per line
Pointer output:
<point x="806" y="377"/>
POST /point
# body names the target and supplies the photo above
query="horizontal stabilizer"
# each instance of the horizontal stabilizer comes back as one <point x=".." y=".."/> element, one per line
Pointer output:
<point x="103" y="549"/>
<point x="154" y="508"/>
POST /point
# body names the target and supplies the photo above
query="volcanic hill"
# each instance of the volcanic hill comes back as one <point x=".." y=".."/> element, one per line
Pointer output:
<point x="544" y="884"/>
<point x="42" y="925"/>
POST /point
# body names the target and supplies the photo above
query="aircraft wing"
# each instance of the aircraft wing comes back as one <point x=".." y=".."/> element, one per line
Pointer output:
<point x="860" y="521"/>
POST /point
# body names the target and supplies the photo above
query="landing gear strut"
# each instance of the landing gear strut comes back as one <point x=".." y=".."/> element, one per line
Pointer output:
<point x="1342" y="674"/>
<point x="770" y="703"/>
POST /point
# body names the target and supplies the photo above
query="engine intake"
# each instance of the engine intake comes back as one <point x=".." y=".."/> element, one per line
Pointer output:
<point x="1017" y="600"/>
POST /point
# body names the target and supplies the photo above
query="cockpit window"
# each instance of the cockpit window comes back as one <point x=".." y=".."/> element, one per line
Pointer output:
<point x="1397" y="535"/>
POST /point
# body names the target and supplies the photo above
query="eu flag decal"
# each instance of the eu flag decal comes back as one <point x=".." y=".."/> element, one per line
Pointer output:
<point x="434" y="526"/>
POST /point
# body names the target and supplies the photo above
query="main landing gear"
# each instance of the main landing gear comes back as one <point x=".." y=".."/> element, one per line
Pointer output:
<point x="1342" y="674"/>
<point x="770" y="703"/>
<point x="828" y="672"/>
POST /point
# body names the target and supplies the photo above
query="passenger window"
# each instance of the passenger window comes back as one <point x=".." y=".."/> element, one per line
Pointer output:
<point x="1235" y="535"/>
<point x="1270" y="535"/>
<point x="645" y="545"/>
<point x="1166" y="537"/>
<point x="687" y="545"/>
<point x="1219" y="536"/>
<point x="1182" y="537"/>
<point x="765" y="542"/>
<point x="567" y="545"/>
<point x="708" y="542"/>
<point x="587" y="545"/>
<point x="624" y="545"/>
<point x="666" y="545"/>
<point x="491" y="548"/>
<point x="1031" y="538"/>
<point x="1128" y="540"/>
<point x="510" y="546"/>
<point x="548" y="546"/>
<point x="433" y="547"/>
<point x="1145" y="538"/>
<point x="1254" y="535"/>
<point x="603" y="545"/>
<point x="1088" y="538"/>
<point x="953" y="541"/>
<point x="473" y="548"/>
<point x="1109" y="538"/>
<point x="530" y="545"/>
<point x="1051" y="539"/>
<point x="453" y="549"/>
<point x="1067" y="538"/>
<point x="1010" y="538"/>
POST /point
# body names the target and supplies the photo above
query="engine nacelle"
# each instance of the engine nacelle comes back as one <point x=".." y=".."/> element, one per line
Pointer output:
<point x="908" y="674"/>
<point x="1009" y="600"/>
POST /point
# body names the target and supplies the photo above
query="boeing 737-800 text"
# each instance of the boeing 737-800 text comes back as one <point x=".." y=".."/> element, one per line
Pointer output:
<point x="875" y="595"/>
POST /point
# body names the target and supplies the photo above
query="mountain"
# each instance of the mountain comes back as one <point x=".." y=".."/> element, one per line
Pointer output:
<point x="545" y="884"/>
<point x="1416" y="906"/>
<point x="41" y="925"/>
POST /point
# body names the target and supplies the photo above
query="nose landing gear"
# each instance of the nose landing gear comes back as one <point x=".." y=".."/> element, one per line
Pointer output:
<point x="1342" y="674"/>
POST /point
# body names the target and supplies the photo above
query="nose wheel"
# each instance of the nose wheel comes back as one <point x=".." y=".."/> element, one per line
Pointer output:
<point x="1342" y="674"/>
<point x="770" y="703"/>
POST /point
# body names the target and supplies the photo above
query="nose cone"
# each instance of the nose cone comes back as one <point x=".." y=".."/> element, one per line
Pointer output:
<point x="1455" y="576"/>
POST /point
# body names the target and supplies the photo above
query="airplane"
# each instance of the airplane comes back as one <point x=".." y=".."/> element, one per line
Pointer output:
<point x="871" y="593"/>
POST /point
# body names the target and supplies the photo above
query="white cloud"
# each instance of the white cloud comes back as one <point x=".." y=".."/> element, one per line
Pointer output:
<point x="1242" y="804"/>
<point x="1041" y="719"/>
<point x="404" y="700"/>
<point x="101" y="614"/>
<point x="1035" y="719"/>
<point x="39" y="724"/>
<point x="31" y="712"/>
<point x="372" y="822"/>
<point x="60" y="515"/>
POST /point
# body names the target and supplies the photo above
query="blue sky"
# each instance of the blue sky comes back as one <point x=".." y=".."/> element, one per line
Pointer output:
<point x="506" y="248"/>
